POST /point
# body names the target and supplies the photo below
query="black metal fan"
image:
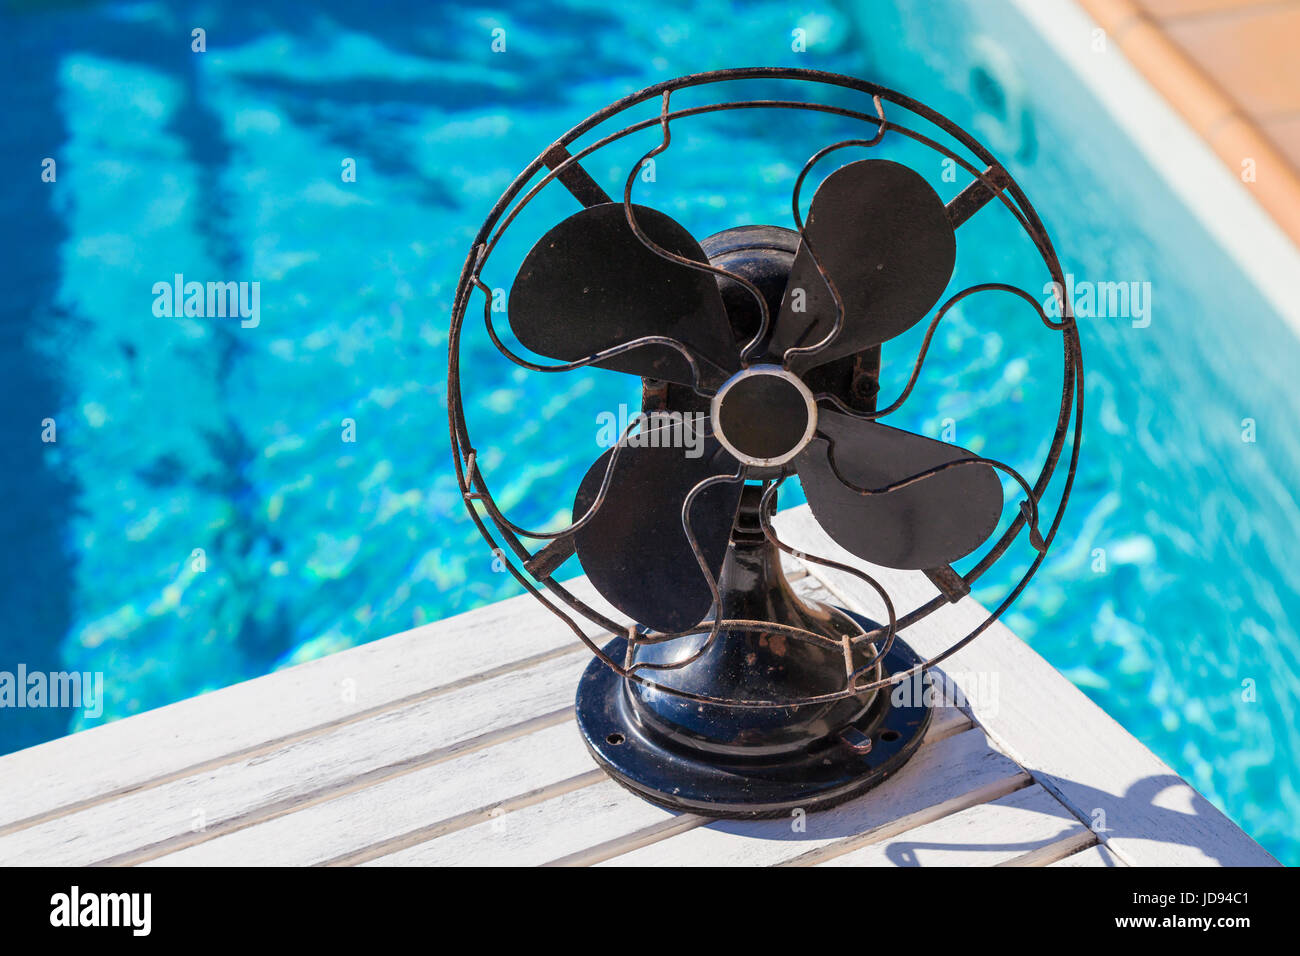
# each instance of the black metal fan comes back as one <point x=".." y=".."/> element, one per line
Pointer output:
<point x="759" y="349"/>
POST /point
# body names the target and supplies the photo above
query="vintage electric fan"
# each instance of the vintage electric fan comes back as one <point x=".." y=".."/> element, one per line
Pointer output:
<point x="725" y="693"/>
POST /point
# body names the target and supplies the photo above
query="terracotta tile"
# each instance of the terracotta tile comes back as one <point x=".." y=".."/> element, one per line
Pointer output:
<point x="1275" y="183"/>
<point x="1252" y="56"/>
<point x="1285" y="134"/>
<point x="1112" y="15"/>
<point x="1216" y="61"/>
<point x="1171" y="72"/>
<point x="1180" y="8"/>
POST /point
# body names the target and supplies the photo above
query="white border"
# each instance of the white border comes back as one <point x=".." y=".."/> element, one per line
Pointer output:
<point x="1212" y="192"/>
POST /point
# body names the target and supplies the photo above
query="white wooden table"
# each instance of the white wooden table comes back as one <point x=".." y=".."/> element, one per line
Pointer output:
<point x="454" y="743"/>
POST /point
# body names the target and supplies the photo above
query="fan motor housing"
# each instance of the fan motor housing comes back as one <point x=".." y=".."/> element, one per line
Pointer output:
<point x="788" y="748"/>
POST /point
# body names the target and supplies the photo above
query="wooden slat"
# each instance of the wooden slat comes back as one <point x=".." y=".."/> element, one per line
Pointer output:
<point x="572" y="823"/>
<point x="414" y="807"/>
<point x="1092" y="856"/>
<point x="271" y="711"/>
<point x="999" y="832"/>
<point x="579" y="827"/>
<point x="157" y="820"/>
<point x="942" y="778"/>
<point x="1050" y="853"/>
<point x="428" y="803"/>
<point x="1073" y="748"/>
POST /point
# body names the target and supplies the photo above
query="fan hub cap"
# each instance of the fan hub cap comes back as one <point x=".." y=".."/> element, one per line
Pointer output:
<point x="764" y="415"/>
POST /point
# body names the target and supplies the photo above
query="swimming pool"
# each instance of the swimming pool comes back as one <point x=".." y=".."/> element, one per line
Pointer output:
<point x="199" y="443"/>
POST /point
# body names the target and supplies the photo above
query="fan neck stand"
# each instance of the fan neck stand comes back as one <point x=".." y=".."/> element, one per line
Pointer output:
<point x="762" y="752"/>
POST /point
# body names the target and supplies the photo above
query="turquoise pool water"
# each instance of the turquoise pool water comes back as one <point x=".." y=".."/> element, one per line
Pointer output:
<point x="183" y="434"/>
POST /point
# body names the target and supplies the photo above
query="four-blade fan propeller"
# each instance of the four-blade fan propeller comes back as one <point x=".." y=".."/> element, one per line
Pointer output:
<point x="882" y="237"/>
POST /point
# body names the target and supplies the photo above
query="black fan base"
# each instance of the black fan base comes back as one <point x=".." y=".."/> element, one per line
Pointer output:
<point x="685" y="781"/>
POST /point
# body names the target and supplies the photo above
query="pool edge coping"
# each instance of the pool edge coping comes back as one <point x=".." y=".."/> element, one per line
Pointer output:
<point x="1256" y="227"/>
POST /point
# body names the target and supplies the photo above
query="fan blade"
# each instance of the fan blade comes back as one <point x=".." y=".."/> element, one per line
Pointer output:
<point x="590" y="284"/>
<point x="923" y="525"/>
<point x="885" y="239"/>
<point x="634" y="549"/>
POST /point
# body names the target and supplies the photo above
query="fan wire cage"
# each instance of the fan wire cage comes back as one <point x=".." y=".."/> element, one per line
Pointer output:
<point x="533" y="570"/>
